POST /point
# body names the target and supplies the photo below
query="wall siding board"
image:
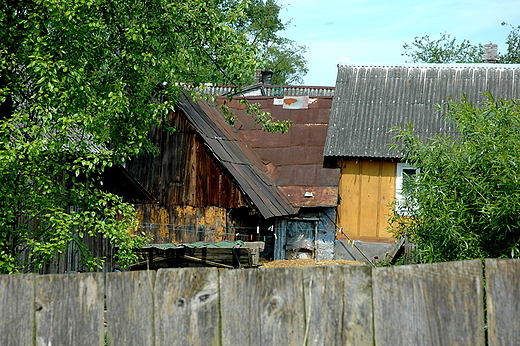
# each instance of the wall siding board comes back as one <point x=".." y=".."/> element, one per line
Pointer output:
<point x="183" y="176"/>
<point x="366" y="190"/>
<point x="69" y="309"/>
<point x="130" y="309"/>
<point x="503" y="304"/>
<point x="431" y="304"/>
<point x="16" y="309"/>
<point x="187" y="307"/>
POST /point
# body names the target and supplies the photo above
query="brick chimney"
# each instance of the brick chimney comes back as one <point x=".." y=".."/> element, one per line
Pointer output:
<point x="264" y="76"/>
<point x="490" y="53"/>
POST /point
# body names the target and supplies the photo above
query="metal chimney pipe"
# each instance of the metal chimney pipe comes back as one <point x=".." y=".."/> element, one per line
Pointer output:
<point x="490" y="53"/>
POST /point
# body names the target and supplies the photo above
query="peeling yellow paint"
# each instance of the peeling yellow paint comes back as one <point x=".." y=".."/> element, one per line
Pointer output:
<point x="181" y="224"/>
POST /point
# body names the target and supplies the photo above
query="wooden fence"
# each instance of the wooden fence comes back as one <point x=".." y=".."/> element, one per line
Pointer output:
<point x="434" y="304"/>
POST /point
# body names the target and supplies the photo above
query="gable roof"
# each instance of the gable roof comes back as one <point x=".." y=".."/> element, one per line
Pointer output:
<point x="370" y="100"/>
<point x="236" y="157"/>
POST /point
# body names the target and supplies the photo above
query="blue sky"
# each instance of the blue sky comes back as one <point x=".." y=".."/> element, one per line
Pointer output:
<point x="373" y="31"/>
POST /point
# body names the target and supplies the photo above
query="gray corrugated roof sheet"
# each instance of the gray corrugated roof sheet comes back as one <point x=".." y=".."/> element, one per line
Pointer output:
<point x="370" y="100"/>
<point x="238" y="159"/>
<point x="269" y="90"/>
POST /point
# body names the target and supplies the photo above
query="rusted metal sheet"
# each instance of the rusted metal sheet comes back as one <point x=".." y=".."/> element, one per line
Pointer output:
<point x="302" y="196"/>
<point x="296" y="157"/>
<point x="296" y="102"/>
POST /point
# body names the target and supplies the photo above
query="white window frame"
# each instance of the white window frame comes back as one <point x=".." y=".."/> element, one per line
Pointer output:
<point x="399" y="197"/>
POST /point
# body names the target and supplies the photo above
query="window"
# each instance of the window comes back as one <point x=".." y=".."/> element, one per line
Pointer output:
<point x="405" y="173"/>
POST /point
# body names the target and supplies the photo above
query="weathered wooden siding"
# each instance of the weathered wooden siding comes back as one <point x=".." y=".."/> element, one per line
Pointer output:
<point x="193" y="194"/>
<point x="366" y="190"/>
<point x="432" y="304"/>
<point x="184" y="173"/>
<point x="183" y="224"/>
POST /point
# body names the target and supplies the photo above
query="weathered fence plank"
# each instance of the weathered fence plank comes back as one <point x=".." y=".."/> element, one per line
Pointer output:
<point x="130" y="308"/>
<point x="431" y="304"/>
<point x="503" y="301"/>
<point x="69" y="309"/>
<point x="187" y="307"/>
<point x="338" y="305"/>
<point x="262" y="307"/>
<point x="16" y="310"/>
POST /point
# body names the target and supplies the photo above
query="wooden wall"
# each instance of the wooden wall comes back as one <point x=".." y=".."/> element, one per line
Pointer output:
<point x="184" y="224"/>
<point x="428" y="304"/>
<point x="366" y="190"/>
<point x="190" y="187"/>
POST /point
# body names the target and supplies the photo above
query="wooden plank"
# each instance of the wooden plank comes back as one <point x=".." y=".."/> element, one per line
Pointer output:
<point x="338" y="305"/>
<point x="16" y="310"/>
<point x="130" y="308"/>
<point x="386" y="196"/>
<point x="503" y="305"/>
<point x="187" y="307"/>
<point x="370" y="181"/>
<point x="430" y="304"/>
<point x="69" y="309"/>
<point x="350" y="192"/>
<point x="262" y="307"/>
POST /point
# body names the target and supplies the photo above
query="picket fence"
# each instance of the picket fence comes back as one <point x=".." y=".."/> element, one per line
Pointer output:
<point x="432" y="304"/>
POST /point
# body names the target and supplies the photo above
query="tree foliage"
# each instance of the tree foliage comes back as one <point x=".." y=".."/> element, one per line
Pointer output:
<point x="443" y="50"/>
<point x="446" y="49"/>
<point x="465" y="202"/>
<point x="512" y="55"/>
<point x="80" y="82"/>
<point x="283" y="56"/>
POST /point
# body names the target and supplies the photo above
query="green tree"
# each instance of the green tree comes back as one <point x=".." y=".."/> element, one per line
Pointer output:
<point x="512" y="55"/>
<point x="465" y="202"/>
<point x="286" y="59"/>
<point x="262" y="26"/>
<point x="80" y="82"/>
<point x="446" y="49"/>
<point x="443" y="50"/>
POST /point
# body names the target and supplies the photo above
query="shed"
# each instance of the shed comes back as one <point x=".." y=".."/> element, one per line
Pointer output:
<point x="368" y="102"/>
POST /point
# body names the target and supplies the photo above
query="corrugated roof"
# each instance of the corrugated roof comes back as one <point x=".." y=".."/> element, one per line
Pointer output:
<point x="239" y="160"/>
<point x="269" y="90"/>
<point x="370" y="100"/>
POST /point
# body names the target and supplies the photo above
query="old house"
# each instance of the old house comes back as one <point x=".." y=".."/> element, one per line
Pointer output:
<point x="213" y="182"/>
<point x="206" y="183"/>
<point x="369" y="102"/>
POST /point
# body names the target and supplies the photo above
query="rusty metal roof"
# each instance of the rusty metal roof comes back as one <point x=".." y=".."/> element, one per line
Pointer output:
<point x="294" y="159"/>
<point x="370" y="100"/>
<point x="244" y="166"/>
